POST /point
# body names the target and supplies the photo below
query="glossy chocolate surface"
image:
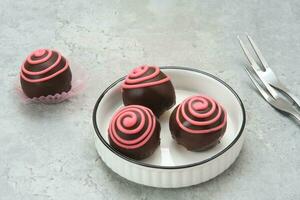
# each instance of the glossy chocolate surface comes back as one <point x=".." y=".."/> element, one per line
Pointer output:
<point x="45" y="72"/>
<point x="134" y="131"/>
<point x="148" y="86"/>
<point x="198" y="123"/>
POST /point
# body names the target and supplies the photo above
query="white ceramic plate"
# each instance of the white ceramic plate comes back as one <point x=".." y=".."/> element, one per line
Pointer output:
<point x="172" y="165"/>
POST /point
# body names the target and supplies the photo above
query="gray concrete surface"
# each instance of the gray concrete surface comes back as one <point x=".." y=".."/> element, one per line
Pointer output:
<point x="46" y="151"/>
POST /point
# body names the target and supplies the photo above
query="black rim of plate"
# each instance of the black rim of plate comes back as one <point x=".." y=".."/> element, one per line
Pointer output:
<point x="168" y="167"/>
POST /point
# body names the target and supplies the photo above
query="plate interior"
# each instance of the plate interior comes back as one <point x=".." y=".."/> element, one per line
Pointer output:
<point x="186" y="83"/>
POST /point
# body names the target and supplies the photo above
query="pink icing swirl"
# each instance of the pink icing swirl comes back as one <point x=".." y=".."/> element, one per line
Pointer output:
<point x="144" y="76"/>
<point x="132" y="126"/>
<point x="202" y="113"/>
<point x="38" y="57"/>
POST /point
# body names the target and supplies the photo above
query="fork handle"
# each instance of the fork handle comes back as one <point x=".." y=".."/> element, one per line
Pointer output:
<point x="289" y="94"/>
<point x="294" y="98"/>
<point x="296" y="115"/>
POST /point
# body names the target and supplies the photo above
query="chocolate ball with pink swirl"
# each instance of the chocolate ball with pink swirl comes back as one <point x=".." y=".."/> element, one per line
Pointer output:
<point x="150" y="87"/>
<point x="45" y="72"/>
<point x="134" y="131"/>
<point x="198" y="123"/>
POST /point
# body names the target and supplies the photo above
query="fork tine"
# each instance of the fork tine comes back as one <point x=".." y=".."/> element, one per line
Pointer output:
<point x="270" y="89"/>
<point x="260" y="89"/>
<point x="258" y="53"/>
<point x="254" y="66"/>
<point x="290" y="110"/>
<point x="247" y="53"/>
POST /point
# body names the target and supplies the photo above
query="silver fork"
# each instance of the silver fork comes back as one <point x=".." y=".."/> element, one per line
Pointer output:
<point x="277" y="102"/>
<point x="266" y="74"/>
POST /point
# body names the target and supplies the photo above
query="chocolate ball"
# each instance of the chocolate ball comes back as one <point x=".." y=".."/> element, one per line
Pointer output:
<point x="148" y="86"/>
<point x="134" y="131"/>
<point x="198" y="123"/>
<point x="45" y="72"/>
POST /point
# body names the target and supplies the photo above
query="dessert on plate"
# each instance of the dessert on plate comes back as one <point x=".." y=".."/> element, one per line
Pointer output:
<point x="198" y="123"/>
<point x="150" y="87"/>
<point x="134" y="131"/>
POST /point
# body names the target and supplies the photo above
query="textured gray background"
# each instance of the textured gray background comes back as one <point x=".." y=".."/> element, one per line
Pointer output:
<point x="46" y="151"/>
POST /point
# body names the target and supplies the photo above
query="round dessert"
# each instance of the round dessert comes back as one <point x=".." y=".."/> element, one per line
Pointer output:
<point x="148" y="86"/>
<point x="45" y="72"/>
<point x="134" y="131"/>
<point x="198" y="123"/>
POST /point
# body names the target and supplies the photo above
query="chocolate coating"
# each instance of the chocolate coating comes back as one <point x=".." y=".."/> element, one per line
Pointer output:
<point x="148" y="86"/>
<point x="45" y="72"/>
<point x="134" y="131"/>
<point x="198" y="123"/>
